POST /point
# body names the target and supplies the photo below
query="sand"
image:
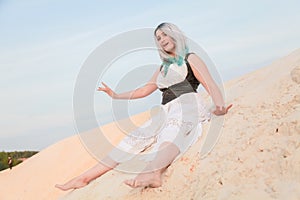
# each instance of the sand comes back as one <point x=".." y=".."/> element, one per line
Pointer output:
<point x="257" y="155"/>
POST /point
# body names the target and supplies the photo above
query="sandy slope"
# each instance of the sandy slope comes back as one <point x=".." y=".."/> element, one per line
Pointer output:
<point x="256" y="157"/>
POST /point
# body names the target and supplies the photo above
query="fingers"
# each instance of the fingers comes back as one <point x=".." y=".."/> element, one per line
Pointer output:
<point x="104" y="85"/>
<point x="101" y="89"/>
<point x="107" y="90"/>
<point x="228" y="107"/>
<point x="218" y="112"/>
<point x="104" y="89"/>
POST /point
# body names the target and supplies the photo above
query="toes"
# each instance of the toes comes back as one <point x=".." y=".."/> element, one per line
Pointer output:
<point x="155" y="185"/>
<point x="143" y="183"/>
<point x="131" y="183"/>
<point x="60" y="186"/>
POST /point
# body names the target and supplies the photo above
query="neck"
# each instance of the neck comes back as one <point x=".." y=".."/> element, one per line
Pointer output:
<point x="172" y="54"/>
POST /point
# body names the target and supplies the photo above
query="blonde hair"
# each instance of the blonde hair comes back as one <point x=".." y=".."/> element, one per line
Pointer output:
<point x="178" y="37"/>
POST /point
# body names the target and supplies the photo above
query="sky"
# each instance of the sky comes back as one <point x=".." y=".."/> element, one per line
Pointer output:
<point x="44" y="43"/>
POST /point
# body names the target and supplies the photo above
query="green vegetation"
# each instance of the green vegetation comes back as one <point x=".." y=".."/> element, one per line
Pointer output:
<point x="16" y="157"/>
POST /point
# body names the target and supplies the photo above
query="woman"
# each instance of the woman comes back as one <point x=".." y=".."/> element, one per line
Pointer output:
<point x="182" y="108"/>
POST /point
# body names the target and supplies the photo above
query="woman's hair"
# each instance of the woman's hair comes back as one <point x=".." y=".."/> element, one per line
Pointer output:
<point x="178" y="37"/>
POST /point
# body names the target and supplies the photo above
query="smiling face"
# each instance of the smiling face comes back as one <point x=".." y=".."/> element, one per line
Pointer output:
<point x="165" y="42"/>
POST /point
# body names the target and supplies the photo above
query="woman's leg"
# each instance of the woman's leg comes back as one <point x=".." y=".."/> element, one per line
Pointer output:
<point x="93" y="173"/>
<point x="152" y="173"/>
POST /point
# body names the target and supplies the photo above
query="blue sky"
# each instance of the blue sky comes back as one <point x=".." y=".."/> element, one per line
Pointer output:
<point x="44" y="44"/>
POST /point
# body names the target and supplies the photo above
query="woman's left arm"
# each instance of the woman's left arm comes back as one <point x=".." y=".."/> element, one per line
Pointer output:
<point x="202" y="74"/>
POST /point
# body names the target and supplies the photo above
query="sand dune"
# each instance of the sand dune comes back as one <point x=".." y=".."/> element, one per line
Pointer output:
<point x="256" y="157"/>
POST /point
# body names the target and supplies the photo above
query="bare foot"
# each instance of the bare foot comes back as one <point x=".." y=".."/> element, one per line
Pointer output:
<point x="72" y="184"/>
<point x="152" y="179"/>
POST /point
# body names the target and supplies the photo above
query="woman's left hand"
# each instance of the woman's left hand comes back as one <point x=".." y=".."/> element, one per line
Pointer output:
<point x="222" y="110"/>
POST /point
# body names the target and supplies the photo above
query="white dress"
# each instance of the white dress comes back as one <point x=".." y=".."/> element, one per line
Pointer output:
<point x="178" y="121"/>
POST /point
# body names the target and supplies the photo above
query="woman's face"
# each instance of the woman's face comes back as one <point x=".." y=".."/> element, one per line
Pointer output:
<point x="165" y="41"/>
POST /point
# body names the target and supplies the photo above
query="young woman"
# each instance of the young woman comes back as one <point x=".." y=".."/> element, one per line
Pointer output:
<point x="183" y="110"/>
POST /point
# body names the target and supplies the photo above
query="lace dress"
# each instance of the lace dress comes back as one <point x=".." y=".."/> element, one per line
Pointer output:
<point x="178" y="120"/>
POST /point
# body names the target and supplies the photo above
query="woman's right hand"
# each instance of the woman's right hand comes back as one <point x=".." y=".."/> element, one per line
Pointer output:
<point x="107" y="90"/>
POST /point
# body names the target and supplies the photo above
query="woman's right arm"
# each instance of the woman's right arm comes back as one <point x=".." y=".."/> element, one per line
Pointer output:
<point x="141" y="92"/>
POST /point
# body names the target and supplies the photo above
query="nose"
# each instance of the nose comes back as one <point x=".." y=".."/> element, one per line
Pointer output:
<point x="163" y="39"/>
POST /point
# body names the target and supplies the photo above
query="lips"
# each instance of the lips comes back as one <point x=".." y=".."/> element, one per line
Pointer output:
<point x="164" y="45"/>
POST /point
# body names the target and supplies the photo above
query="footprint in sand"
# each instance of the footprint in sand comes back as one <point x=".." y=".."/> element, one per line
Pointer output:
<point x="295" y="74"/>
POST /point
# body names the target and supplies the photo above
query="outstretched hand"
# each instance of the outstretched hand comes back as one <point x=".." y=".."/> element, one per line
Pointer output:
<point x="107" y="90"/>
<point x="222" y="110"/>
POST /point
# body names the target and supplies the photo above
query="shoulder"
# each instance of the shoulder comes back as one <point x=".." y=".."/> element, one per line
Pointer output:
<point x="192" y="57"/>
<point x="194" y="60"/>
